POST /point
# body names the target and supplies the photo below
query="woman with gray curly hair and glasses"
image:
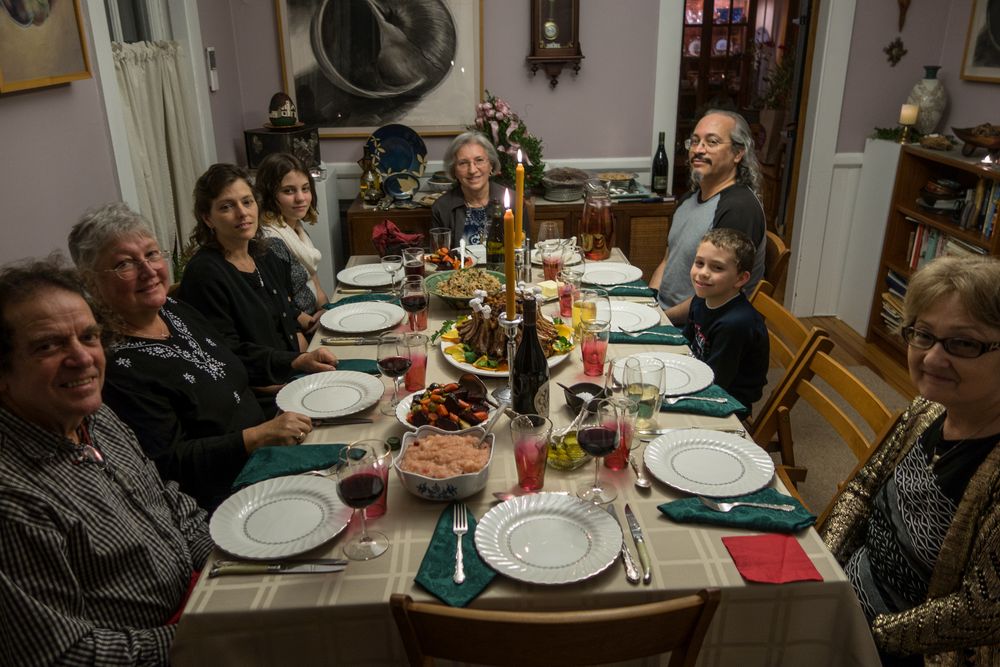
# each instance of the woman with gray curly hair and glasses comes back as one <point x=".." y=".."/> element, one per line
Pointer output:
<point x="917" y="529"/>
<point x="170" y="375"/>
<point x="470" y="160"/>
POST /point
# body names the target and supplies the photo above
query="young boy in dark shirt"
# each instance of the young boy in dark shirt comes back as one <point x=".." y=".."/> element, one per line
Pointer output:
<point x="723" y="329"/>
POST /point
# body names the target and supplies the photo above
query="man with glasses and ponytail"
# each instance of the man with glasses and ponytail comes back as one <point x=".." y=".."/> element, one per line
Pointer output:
<point x="725" y="180"/>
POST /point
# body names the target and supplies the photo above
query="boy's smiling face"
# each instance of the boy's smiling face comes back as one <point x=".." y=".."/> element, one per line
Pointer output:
<point x="715" y="275"/>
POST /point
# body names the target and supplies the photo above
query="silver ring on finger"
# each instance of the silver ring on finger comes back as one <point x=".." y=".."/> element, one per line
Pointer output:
<point x="300" y="437"/>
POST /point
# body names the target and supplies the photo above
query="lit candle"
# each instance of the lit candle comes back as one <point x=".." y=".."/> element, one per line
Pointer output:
<point x="519" y="199"/>
<point x="508" y="254"/>
<point x="908" y="114"/>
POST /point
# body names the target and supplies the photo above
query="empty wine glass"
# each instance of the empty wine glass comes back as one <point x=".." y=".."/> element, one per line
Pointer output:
<point x="548" y="230"/>
<point x="360" y="482"/>
<point x="393" y="360"/>
<point x="598" y="435"/>
<point x="391" y="264"/>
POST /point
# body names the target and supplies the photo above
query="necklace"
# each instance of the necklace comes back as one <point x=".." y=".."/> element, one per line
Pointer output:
<point x="158" y="335"/>
<point x="260" y="278"/>
<point x="931" y="449"/>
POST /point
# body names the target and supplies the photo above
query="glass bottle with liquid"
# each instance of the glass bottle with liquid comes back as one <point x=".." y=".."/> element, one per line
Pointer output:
<point x="597" y="225"/>
<point x="530" y="368"/>
<point x="494" y="237"/>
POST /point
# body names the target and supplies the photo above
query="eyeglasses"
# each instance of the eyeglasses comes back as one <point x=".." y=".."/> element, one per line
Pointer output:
<point x="479" y="163"/>
<point x="966" y="348"/>
<point x="711" y="143"/>
<point x="129" y="268"/>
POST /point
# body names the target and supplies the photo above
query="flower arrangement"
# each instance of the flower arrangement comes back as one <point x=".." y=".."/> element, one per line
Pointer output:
<point x="507" y="132"/>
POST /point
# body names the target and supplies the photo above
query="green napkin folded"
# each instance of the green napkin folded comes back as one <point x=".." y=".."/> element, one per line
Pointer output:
<point x="672" y="336"/>
<point x="369" y="366"/>
<point x="707" y="408"/>
<point x="362" y="298"/>
<point x="438" y="566"/>
<point x="690" y="510"/>
<point x="269" y="462"/>
<point x="634" y="288"/>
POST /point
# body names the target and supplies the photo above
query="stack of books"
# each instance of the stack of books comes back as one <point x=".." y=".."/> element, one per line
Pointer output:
<point x="892" y="300"/>
<point x="926" y="243"/>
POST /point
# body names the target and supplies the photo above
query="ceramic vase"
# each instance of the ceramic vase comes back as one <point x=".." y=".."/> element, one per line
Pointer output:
<point x="929" y="95"/>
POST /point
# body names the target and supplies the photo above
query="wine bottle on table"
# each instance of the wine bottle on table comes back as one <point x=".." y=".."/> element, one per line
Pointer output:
<point x="530" y="368"/>
<point x="494" y="237"/>
<point x="661" y="166"/>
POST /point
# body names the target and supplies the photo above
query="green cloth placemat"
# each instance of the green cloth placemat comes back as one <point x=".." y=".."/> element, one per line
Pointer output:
<point x="634" y="288"/>
<point x="707" y="408"/>
<point x="369" y="366"/>
<point x="269" y="462"/>
<point x="662" y="334"/>
<point x="362" y="298"/>
<point x="690" y="510"/>
<point x="438" y="566"/>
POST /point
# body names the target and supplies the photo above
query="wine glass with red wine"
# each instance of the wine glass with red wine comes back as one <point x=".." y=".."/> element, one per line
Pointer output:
<point x="598" y="435"/>
<point x="359" y="484"/>
<point x="393" y="360"/>
<point x="415" y="298"/>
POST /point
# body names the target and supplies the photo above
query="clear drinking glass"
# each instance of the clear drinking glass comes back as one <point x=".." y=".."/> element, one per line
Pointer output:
<point x="391" y="264"/>
<point x="359" y="484"/>
<point x="440" y="239"/>
<point x="644" y="381"/>
<point x="598" y="435"/>
<point x="628" y="411"/>
<point x="591" y="304"/>
<point x="548" y="230"/>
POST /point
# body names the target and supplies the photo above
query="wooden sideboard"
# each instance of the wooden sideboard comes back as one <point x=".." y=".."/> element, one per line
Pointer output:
<point x="640" y="227"/>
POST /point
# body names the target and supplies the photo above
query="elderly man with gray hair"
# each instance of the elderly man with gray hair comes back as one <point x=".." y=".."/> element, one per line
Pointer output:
<point x="725" y="179"/>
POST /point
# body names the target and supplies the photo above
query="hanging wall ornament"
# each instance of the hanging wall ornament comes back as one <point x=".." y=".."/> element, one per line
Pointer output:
<point x="895" y="51"/>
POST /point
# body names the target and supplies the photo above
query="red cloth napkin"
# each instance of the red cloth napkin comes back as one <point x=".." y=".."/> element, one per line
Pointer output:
<point x="771" y="559"/>
<point x="389" y="240"/>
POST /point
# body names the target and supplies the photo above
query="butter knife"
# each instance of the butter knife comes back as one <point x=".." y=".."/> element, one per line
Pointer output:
<point x="321" y="566"/>
<point x="631" y="571"/>
<point x="640" y="544"/>
<point x="332" y="340"/>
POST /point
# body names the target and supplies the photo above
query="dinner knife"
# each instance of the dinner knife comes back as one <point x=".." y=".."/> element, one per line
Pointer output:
<point x="662" y="431"/>
<point x="332" y="340"/>
<point x="640" y="544"/>
<point x="318" y="566"/>
<point x="340" y="421"/>
<point x="631" y="571"/>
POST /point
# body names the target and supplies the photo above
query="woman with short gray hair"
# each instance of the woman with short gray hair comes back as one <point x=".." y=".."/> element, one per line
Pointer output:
<point x="170" y="375"/>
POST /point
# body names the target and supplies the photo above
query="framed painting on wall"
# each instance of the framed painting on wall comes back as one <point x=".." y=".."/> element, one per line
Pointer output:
<point x="354" y="65"/>
<point x="41" y="44"/>
<point x="982" y="43"/>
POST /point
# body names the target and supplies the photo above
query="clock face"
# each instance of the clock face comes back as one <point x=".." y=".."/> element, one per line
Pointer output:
<point x="550" y="30"/>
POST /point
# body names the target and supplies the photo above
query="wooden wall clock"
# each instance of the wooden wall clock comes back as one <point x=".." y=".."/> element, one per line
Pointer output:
<point x="555" y="37"/>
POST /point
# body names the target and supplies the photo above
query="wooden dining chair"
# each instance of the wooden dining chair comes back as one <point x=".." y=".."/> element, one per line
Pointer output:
<point x="840" y="382"/>
<point x="578" y="637"/>
<point x="776" y="258"/>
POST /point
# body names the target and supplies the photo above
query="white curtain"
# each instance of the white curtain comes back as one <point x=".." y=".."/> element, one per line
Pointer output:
<point x="160" y="123"/>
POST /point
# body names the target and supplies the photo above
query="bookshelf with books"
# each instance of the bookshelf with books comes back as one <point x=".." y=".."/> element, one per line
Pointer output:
<point x="942" y="204"/>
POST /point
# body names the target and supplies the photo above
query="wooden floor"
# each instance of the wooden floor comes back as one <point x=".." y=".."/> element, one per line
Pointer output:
<point x="851" y="349"/>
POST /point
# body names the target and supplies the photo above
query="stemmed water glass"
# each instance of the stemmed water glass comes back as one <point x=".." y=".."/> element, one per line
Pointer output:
<point x="598" y="435"/>
<point x="414" y="298"/>
<point x="359" y="484"/>
<point x="548" y="230"/>
<point x="392" y="264"/>
<point x="393" y="360"/>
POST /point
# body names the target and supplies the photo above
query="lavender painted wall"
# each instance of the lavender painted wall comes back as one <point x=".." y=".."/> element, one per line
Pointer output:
<point x="934" y="34"/>
<point x="55" y="163"/>
<point x="605" y="111"/>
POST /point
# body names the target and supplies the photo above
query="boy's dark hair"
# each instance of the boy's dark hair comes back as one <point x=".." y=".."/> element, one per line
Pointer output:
<point x="735" y="242"/>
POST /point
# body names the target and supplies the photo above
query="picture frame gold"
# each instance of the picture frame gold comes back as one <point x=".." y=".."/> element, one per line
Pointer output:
<point x="41" y="48"/>
<point x="981" y="59"/>
<point x="337" y="67"/>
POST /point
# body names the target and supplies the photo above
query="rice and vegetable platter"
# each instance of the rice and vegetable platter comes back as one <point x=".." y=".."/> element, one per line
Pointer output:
<point x="465" y="283"/>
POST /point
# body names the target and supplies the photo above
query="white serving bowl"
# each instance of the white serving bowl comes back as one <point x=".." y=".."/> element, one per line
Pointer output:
<point x="448" y="488"/>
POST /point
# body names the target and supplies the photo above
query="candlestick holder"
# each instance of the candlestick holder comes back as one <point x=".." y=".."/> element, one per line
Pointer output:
<point x="904" y="136"/>
<point x="510" y="327"/>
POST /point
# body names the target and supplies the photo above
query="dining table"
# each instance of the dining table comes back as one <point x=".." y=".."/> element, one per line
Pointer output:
<point x="344" y="618"/>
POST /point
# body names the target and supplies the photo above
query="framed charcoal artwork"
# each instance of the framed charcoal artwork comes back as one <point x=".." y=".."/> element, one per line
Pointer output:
<point x="41" y="44"/>
<point x="982" y="43"/>
<point x="354" y="65"/>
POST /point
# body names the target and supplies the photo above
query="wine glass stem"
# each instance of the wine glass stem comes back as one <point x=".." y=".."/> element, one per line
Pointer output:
<point x="364" y="527"/>
<point x="395" y="392"/>
<point x="597" y="472"/>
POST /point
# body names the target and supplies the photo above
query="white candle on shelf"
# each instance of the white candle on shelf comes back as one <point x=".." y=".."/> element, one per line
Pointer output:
<point x="908" y="114"/>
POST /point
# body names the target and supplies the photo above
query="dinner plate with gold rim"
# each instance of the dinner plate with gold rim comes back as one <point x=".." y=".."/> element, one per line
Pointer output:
<point x="359" y="318"/>
<point x="708" y="463"/>
<point x="330" y="394"/>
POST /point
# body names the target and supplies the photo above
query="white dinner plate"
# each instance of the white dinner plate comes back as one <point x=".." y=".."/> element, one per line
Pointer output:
<point x="685" y="375"/>
<point x="330" y="394"/>
<point x="548" y="538"/>
<point x="362" y="317"/>
<point x="279" y="517"/>
<point x="576" y="258"/>
<point x="610" y="273"/>
<point x="554" y="360"/>
<point x="709" y="463"/>
<point x="364" y="275"/>
<point x="404" y="408"/>
<point x="629" y="316"/>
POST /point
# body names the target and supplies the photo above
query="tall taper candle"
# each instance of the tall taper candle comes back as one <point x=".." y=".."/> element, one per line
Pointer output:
<point x="519" y="199"/>
<point x="508" y="255"/>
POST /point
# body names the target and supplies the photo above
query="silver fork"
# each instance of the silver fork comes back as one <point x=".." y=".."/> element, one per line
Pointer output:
<point x="725" y="507"/>
<point x="671" y="400"/>
<point x="460" y="526"/>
